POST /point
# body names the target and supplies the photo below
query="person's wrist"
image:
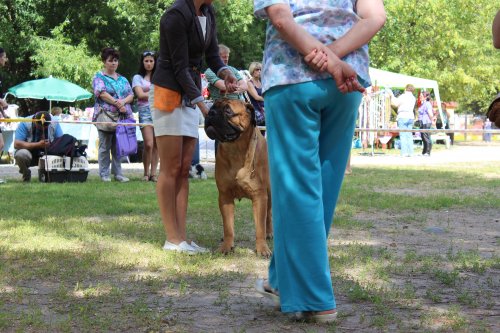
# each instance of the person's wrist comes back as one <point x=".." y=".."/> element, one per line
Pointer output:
<point x="226" y="73"/>
<point x="203" y="108"/>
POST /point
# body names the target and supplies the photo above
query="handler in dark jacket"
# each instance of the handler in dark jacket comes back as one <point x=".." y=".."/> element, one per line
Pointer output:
<point x="187" y="33"/>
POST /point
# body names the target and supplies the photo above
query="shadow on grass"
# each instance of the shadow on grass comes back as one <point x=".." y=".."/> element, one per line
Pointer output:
<point x="67" y="291"/>
<point x="73" y="254"/>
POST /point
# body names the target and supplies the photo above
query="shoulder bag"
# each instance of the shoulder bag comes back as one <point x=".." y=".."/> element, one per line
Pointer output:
<point x="126" y="139"/>
<point x="110" y="118"/>
<point x="106" y="116"/>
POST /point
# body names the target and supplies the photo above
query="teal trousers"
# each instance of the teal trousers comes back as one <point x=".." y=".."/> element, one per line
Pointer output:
<point x="310" y="127"/>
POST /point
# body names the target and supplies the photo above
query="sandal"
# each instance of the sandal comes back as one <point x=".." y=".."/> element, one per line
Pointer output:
<point x="145" y="178"/>
<point x="315" y="317"/>
<point x="268" y="292"/>
<point x="153" y="178"/>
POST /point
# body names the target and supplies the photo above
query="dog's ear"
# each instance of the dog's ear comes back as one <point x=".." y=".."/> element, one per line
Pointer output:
<point x="251" y="110"/>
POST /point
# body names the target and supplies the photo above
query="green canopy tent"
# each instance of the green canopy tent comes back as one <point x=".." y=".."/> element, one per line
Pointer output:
<point x="51" y="89"/>
<point x="388" y="79"/>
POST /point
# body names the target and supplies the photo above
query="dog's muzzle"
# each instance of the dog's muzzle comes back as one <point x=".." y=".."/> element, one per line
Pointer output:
<point x="217" y="124"/>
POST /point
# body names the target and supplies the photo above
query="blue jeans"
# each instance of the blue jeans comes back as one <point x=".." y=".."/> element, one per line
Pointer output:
<point x="310" y="127"/>
<point x="406" y="138"/>
<point x="145" y="116"/>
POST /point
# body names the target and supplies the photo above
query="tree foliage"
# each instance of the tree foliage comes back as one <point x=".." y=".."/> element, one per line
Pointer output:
<point x="51" y="58"/>
<point x="240" y="31"/>
<point x="445" y="40"/>
<point x="18" y="22"/>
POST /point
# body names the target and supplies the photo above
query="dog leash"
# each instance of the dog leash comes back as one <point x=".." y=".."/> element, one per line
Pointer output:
<point x="254" y="150"/>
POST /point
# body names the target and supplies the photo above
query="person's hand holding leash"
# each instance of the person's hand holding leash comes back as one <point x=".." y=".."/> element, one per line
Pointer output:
<point x="203" y="108"/>
<point x="229" y="80"/>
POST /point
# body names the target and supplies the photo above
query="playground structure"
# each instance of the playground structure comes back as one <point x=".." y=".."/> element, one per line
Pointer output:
<point x="374" y="113"/>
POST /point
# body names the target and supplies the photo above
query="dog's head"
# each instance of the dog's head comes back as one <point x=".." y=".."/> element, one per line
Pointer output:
<point x="228" y="118"/>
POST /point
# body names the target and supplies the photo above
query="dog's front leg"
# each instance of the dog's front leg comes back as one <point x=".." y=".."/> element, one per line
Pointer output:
<point x="226" y="206"/>
<point x="259" y="205"/>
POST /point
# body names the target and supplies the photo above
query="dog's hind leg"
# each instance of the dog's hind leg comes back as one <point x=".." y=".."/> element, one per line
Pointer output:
<point x="269" y="218"/>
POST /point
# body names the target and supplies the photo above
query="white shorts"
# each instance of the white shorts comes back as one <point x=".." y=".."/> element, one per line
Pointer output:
<point x="183" y="121"/>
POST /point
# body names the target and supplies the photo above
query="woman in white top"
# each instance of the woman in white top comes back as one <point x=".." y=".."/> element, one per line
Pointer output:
<point x="405" y="104"/>
<point x="141" y="85"/>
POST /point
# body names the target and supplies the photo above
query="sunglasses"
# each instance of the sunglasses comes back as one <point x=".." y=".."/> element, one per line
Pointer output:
<point x="258" y="69"/>
<point x="148" y="53"/>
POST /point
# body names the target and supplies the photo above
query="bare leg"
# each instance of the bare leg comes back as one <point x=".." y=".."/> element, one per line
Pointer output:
<point x="188" y="145"/>
<point x="148" y="137"/>
<point x="154" y="159"/>
<point x="348" y="169"/>
<point x="173" y="188"/>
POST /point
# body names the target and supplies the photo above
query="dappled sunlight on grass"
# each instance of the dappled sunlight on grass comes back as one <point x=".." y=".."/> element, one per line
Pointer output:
<point x="39" y="241"/>
<point x="93" y="291"/>
<point x="72" y="262"/>
<point x="96" y="246"/>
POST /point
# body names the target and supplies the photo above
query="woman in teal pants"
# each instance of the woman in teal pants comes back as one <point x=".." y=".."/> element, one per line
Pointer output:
<point x="311" y="100"/>
<point x="323" y="131"/>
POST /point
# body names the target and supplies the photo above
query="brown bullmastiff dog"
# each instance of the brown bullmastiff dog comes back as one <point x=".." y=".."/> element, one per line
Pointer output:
<point x="241" y="169"/>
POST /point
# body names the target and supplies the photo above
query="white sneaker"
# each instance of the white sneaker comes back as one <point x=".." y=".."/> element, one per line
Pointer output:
<point x="121" y="179"/>
<point x="199" y="248"/>
<point x="2" y="181"/>
<point x="182" y="247"/>
<point x="106" y="179"/>
<point x="203" y="175"/>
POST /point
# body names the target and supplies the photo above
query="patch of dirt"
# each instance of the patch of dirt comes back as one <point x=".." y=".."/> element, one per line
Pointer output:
<point x="433" y="235"/>
<point x="472" y="301"/>
<point x="422" y="191"/>
<point x="463" y="230"/>
<point x="242" y="310"/>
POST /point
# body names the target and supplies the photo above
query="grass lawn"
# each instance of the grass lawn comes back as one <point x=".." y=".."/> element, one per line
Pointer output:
<point x="413" y="249"/>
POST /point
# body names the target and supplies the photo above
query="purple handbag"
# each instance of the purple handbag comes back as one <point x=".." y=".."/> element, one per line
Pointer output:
<point x="126" y="140"/>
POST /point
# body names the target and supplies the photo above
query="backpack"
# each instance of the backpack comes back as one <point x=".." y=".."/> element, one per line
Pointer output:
<point x="66" y="145"/>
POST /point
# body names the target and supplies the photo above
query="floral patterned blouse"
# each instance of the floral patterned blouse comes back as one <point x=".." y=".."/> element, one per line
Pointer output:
<point x="119" y="89"/>
<point x="326" y="20"/>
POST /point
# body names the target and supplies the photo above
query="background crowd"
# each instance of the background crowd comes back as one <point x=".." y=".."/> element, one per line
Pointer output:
<point x="115" y="94"/>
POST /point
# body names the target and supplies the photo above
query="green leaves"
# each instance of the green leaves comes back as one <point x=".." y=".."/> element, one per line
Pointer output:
<point x="445" y="40"/>
<point x="51" y="58"/>
<point x="240" y="31"/>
